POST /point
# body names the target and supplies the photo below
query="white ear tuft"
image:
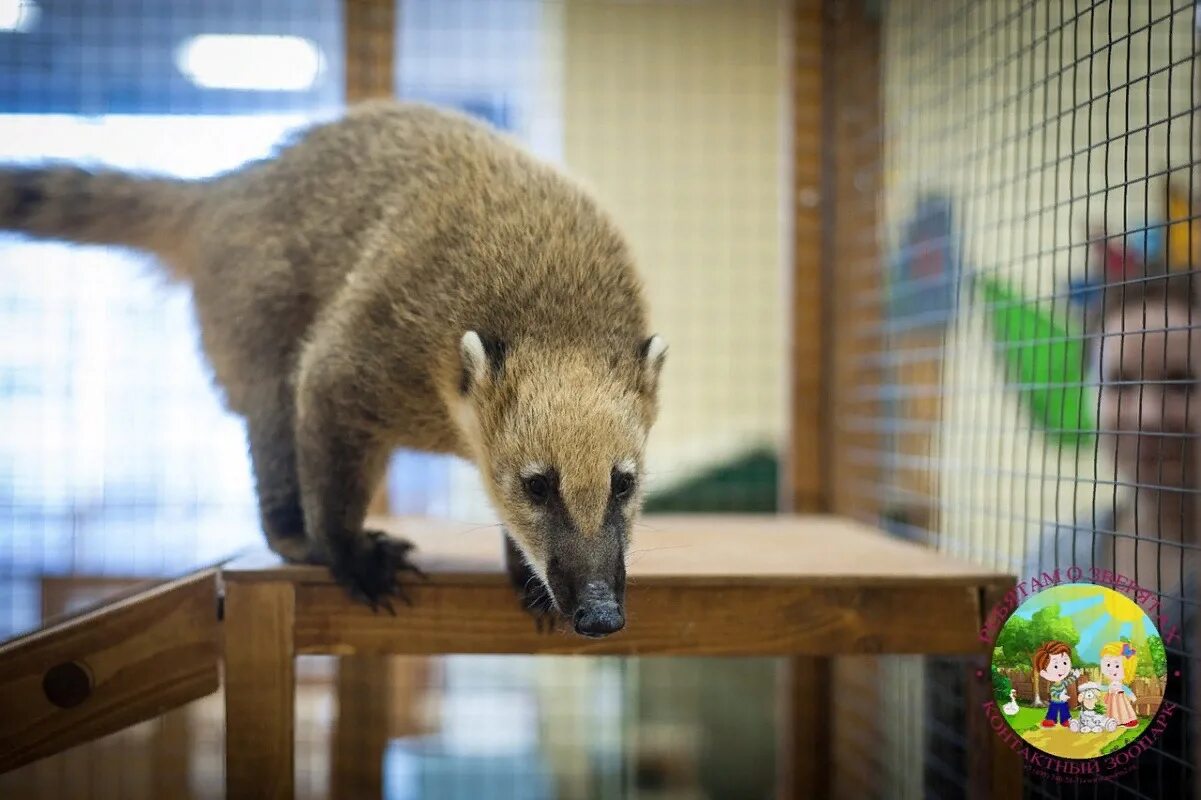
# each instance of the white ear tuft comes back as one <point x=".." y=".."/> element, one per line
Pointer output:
<point x="655" y="349"/>
<point x="475" y="361"/>
<point x="654" y="353"/>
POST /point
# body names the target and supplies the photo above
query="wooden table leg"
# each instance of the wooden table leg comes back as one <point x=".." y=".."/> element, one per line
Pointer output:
<point x="361" y="727"/>
<point x="804" y="755"/>
<point x="260" y="690"/>
<point x="994" y="768"/>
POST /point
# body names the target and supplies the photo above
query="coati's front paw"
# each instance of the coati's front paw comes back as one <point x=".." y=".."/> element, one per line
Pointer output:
<point x="370" y="569"/>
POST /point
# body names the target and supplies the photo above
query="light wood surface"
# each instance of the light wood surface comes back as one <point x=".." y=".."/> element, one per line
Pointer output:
<point x="705" y="550"/>
<point x="119" y="664"/>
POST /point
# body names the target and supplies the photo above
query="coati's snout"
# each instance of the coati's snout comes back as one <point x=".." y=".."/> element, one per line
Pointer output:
<point x="599" y="614"/>
<point x="591" y="596"/>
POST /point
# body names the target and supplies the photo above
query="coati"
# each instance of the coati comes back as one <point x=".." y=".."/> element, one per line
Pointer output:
<point x="405" y="276"/>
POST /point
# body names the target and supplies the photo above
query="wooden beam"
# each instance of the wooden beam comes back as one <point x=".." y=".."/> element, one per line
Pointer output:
<point x="260" y="690"/>
<point x="109" y="668"/>
<point x="370" y="49"/>
<point x="694" y="619"/>
<point x="169" y="751"/>
<point x="696" y="585"/>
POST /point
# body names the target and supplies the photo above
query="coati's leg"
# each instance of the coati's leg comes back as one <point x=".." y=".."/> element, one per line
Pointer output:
<point x="270" y="431"/>
<point x="534" y="597"/>
<point x="339" y="460"/>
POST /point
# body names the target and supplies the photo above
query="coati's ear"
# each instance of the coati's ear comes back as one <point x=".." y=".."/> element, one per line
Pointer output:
<point x="654" y="353"/>
<point x="481" y="355"/>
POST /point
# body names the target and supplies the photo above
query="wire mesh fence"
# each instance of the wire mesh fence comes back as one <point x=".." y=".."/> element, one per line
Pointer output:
<point x="1026" y="334"/>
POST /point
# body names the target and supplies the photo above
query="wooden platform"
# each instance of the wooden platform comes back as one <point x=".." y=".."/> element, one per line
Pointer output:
<point x="709" y="585"/>
<point x="801" y="586"/>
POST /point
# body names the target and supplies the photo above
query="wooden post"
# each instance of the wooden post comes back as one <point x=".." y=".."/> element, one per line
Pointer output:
<point x="806" y="478"/>
<point x="370" y="49"/>
<point x="994" y="769"/>
<point x="260" y="690"/>
<point x="852" y="267"/>
<point x="361" y="727"/>
<point x="363" y="685"/>
<point x="803" y="754"/>
<point x="849" y="275"/>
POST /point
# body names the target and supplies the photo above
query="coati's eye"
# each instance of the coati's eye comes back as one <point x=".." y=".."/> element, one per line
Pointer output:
<point x="538" y="489"/>
<point x="622" y="483"/>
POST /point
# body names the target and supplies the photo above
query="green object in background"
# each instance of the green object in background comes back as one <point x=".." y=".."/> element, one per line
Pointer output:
<point x="747" y="484"/>
<point x="1045" y="358"/>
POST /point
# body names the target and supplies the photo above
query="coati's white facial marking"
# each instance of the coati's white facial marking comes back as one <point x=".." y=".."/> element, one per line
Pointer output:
<point x="628" y="466"/>
<point x="531" y="469"/>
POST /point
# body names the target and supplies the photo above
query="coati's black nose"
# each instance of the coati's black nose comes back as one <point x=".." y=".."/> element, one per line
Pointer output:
<point x="598" y="613"/>
<point x="598" y="621"/>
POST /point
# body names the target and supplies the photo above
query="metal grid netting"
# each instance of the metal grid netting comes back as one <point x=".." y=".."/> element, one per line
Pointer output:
<point x="1034" y="333"/>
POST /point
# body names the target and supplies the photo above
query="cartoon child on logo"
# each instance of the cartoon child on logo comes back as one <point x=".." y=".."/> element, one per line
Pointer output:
<point x="1118" y="662"/>
<point x="1053" y="661"/>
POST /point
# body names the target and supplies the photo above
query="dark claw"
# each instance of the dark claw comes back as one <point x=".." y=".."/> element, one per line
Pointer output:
<point x="531" y="593"/>
<point x="370" y="568"/>
<point x="538" y="605"/>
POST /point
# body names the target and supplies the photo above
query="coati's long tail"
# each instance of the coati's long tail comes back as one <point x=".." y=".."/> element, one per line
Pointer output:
<point x="97" y="207"/>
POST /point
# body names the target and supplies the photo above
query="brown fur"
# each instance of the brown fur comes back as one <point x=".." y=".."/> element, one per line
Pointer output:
<point x="334" y="283"/>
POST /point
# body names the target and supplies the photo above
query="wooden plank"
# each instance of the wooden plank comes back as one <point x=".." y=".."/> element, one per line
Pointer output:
<point x="108" y="669"/>
<point x="710" y="550"/>
<point x="691" y="619"/>
<point x="370" y="49"/>
<point x="260" y="686"/>
<point x="168" y="753"/>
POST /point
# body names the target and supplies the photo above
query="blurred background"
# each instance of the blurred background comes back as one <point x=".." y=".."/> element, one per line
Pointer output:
<point x="874" y="232"/>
